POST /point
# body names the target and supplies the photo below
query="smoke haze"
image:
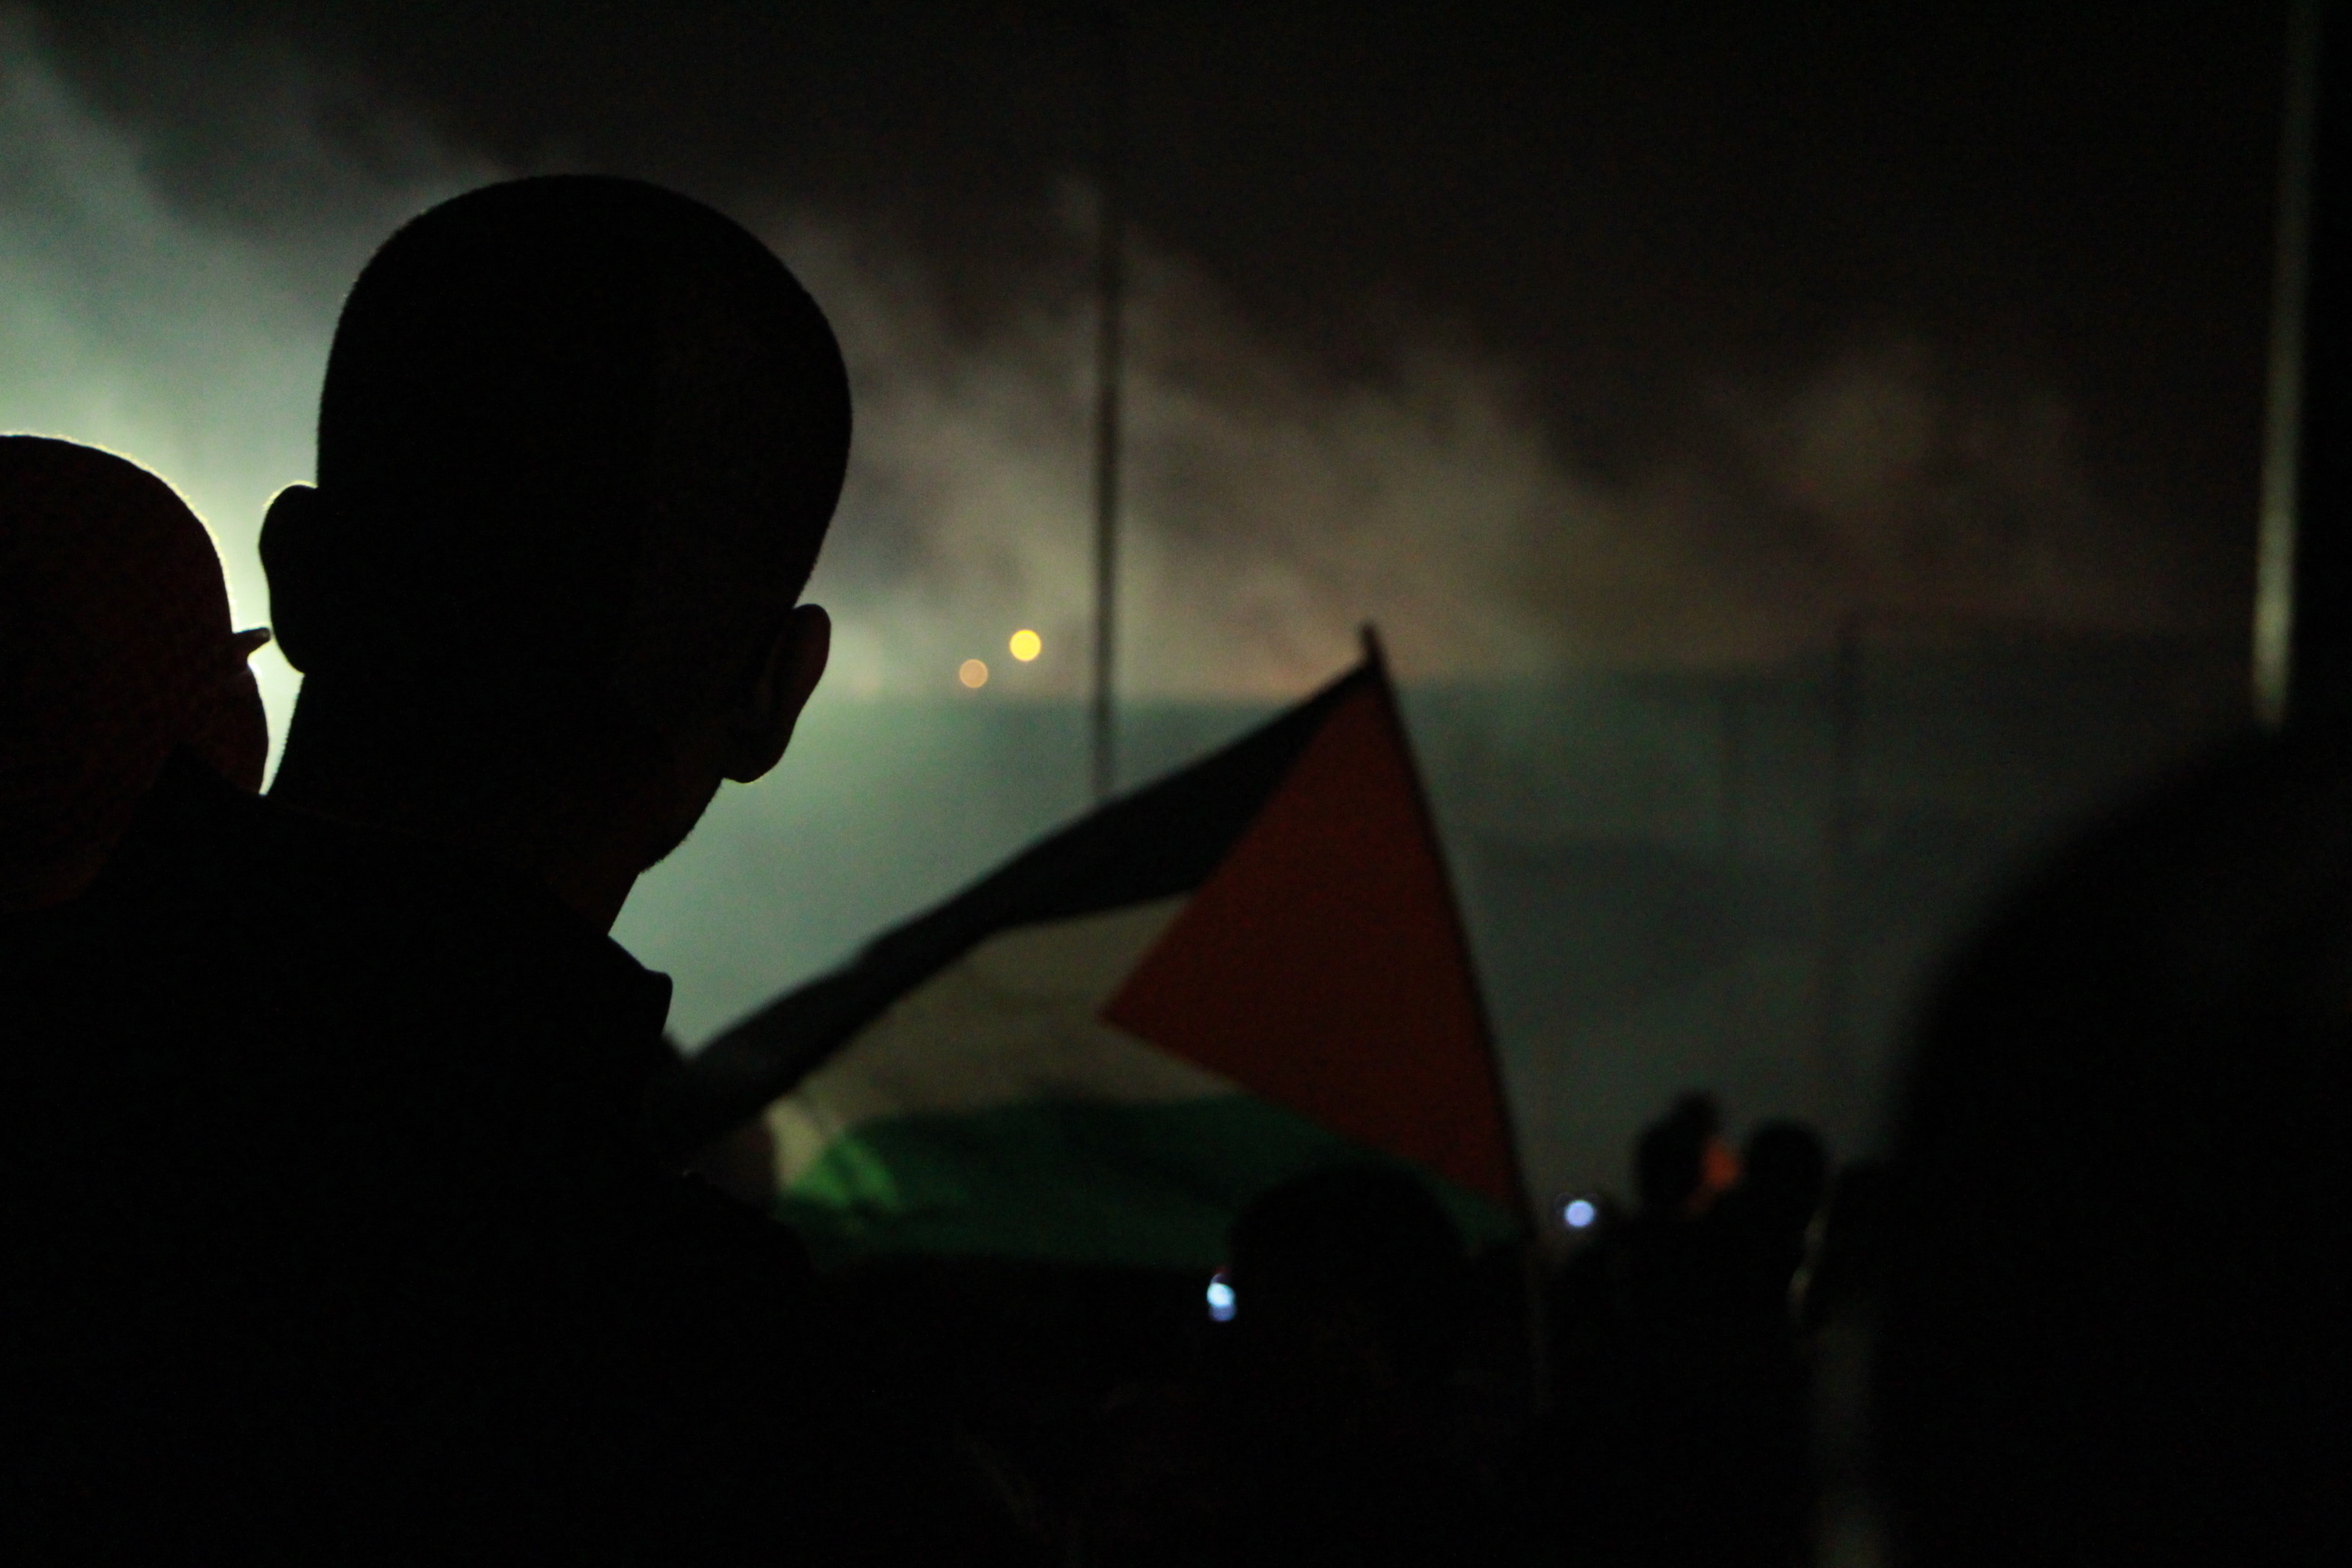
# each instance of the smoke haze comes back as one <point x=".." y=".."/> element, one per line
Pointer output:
<point x="1272" y="506"/>
<point x="1271" y="509"/>
<point x="1601" y="521"/>
<point x="189" y="344"/>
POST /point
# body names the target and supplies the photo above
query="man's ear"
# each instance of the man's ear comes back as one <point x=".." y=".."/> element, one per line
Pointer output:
<point x="789" y="671"/>
<point x="290" y="557"/>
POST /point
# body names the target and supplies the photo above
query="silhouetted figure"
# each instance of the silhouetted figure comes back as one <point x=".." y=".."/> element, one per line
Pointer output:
<point x="1784" y="1171"/>
<point x="1681" y="1163"/>
<point x="384" y="1273"/>
<point x="2113" y="1326"/>
<point x="1320" y="1438"/>
<point x="1670" y="1440"/>
<point x="1838" y="1316"/>
<point x="1845" y="1268"/>
<point x="115" y="650"/>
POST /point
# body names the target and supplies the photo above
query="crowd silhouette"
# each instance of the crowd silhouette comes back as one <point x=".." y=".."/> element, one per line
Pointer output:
<point x="334" y="1232"/>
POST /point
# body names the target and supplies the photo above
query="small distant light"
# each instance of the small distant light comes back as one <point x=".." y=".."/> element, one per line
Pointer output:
<point x="1027" y="644"/>
<point x="1578" y="1214"/>
<point x="973" y="674"/>
<point x="1221" y="1298"/>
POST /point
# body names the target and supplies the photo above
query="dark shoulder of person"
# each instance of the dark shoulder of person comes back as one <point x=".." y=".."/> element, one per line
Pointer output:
<point x="330" y="1225"/>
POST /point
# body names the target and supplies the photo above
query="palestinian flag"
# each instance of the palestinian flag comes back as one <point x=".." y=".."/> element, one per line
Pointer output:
<point x="1106" y="1050"/>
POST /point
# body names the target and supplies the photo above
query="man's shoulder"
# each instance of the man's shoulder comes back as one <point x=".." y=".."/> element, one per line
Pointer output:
<point x="201" y="849"/>
<point x="315" y="891"/>
<point x="389" y="886"/>
<point x="337" y="949"/>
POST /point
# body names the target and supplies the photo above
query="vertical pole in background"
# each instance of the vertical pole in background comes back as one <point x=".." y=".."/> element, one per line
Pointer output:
<point x="2274" y="652"/>
<point x="1731" y="849"/>
<point x="1731" y="777"/>
<point x="1111" y="289"/>
<point x="1834" y="983"/>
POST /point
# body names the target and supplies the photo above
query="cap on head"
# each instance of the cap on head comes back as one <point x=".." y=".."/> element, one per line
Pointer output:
<point x="565" y="417"/>
<point x="115" y="646"/>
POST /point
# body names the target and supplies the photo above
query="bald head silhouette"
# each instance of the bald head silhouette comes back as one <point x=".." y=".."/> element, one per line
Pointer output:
<point x="579" y="443"/>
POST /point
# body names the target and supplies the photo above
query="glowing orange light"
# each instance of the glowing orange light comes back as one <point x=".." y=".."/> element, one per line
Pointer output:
<point x="1027" y="644"/>
<point x="973" y="674"/>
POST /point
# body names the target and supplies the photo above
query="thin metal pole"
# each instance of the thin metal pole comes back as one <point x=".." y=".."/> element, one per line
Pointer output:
<point x="1834" y="995"/>
<point x="1112" y="292"/>
<point x="2275" y="573"/>
<point x="1731" y="779"/>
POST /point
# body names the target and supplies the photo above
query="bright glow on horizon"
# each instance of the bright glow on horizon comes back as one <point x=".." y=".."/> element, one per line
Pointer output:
<point x="1221" y="1298"/>
<point x="973" y="674"/>
<point x="1027" y="644"/>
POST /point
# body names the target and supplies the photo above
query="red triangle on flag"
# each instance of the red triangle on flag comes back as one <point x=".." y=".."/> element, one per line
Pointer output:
<point x="1323" y="967"/>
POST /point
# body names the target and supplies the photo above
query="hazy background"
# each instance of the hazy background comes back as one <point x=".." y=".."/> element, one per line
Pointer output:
<point x="1612" y="361"/>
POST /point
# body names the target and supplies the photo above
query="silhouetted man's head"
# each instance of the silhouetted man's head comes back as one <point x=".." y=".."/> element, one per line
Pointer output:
<point x="578" y="444"/>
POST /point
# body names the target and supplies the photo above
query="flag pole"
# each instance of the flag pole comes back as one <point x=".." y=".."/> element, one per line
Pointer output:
<point x="1532" y="1282"/>
<point x="1110" y="280"/>
<point x="1376" y="661"/>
